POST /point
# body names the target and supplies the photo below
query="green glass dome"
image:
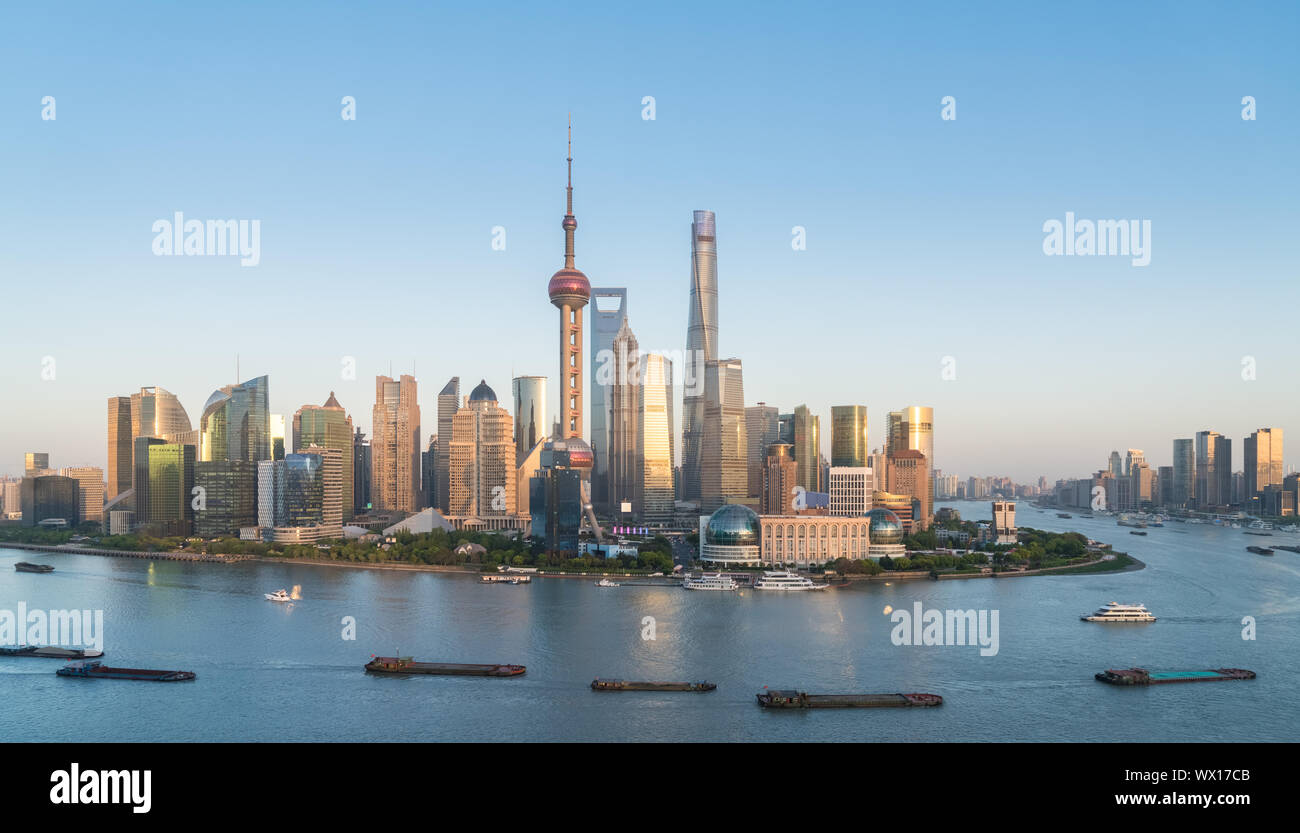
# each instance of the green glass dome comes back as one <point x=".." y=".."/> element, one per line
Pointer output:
<point x="734" y="525"/>
<point x="885" y="527"/>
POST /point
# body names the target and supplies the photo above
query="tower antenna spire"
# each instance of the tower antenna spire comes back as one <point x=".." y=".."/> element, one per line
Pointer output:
<point x="570" y="222"/>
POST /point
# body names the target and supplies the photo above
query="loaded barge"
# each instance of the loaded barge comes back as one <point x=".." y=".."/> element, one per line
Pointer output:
<point x="801" y="700"/>
<point x="600" y="684"/>
<point x="406" y="665"/>
<point x="1259" y="550"/>
<point x="28" y="567"/>
<point x="96" y="670"/>
<point x="49" y="652"/>
<point x="1141" y="676"/>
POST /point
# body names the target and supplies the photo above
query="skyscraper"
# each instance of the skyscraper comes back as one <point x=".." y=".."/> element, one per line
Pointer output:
<point x="807" y="448"/>
<point x="360" y="474"/>
<point x="608" y="311"/>
<point x="482" y="457"/>
<point x="780" y="475"/>
<point x="90" y="491"/>
<point x="624" y="371"/>
<point x="448" y="404"/>
<point x="1134" y="457"/>
<point x="164" y="484"/>
<point x="701" y="345"/>
<point x="762" y="426"/>
<point x="395" y="445"/>
<point x="1262" y="459"/>
<point x="120" y="440"/>
<point x="158" y="413"/>
<point x="653" y="501"/>
<point x="530" y="414"/>
<point x="328" y="426"/>
<point x="849" y="447"/>
<point x="724" y="462"/>
<point x="35" y="461"/>
<point x="909" y="474"/>
<point x="236" y="423"/>
<point x="1183" y="490"/>
<point x="1114" y="465"/>
<point x="913" y="428"/>
<point x="229" y="497"/>
<point x="1213" y="474"/>
<point x="569" y="291"/>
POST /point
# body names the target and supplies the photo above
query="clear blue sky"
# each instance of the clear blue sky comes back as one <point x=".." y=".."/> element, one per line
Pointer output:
<point x="924" y="235"/>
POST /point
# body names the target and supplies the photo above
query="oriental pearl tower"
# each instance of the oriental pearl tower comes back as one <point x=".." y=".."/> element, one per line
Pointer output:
<point x="570" y="290"/>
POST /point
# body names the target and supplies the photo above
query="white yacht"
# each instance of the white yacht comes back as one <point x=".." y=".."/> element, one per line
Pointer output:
<point x="279" y="596"/>
<point x="606" y="583"/>
<point x="1116" y="612"/>
<point x="783" y="580"/>
<point x="717" y="581"/>
<point x="1259" y="525"/>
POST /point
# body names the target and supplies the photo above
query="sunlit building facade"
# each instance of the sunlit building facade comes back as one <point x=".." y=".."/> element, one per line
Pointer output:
<point x="849" y="447"/>
<point x="395" y="445"/>
<point x="701" y="347"/>
<point x="653" y="478"/>
<point x="724" y="449"/>
<point x="328" y="426"/>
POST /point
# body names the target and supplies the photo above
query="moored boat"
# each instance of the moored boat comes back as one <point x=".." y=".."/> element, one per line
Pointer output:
<point x="710" y="582"/>
<point x="48" y="652"/>
<point x="407" y="665"/>
<point x="95" y="670"/>
<point x="502" y="579"/>
<point x="803" y="700"/>
<point x="600" y="684"/>
<point x="28" y="567"/>
<point x="1259" y="550"/>
<point x="1141" y="676"/>
<point x="785" y="580"/>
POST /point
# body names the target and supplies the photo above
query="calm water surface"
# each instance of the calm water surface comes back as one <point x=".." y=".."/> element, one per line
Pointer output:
<point x="282" y="672"/>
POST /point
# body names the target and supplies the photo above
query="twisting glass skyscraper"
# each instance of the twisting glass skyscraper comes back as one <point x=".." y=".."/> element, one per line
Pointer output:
<point x="701" y="345"/>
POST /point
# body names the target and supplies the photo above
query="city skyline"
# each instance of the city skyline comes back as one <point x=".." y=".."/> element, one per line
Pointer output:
<point x="900" y="208"/>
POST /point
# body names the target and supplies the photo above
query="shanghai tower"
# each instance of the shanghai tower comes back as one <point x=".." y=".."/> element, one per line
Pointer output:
<point x="701" y="346"/>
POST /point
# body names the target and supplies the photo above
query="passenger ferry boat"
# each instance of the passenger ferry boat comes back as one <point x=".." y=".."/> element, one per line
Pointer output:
<point x="716" y="581"/>
<point x="783" y="580"/>
<point x="1116" y="612"/>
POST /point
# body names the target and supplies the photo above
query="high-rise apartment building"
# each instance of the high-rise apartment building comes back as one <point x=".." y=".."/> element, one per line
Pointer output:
<point x="849" y="447"/>
<point x="328" y="426"/>
<point x="395" y="445"/>
<point x="701" y="346"/>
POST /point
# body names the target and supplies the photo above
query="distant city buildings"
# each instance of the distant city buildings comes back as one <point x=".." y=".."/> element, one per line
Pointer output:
<point x="849" y="447"/>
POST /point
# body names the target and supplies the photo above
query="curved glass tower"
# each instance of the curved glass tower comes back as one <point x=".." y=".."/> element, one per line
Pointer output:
<point x="701" y="345"/>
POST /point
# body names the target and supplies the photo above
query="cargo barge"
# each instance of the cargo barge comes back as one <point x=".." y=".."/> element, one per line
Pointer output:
<point x="28" y="567"/>
<point x="600" y="684"/>
<point x="98" y="671"/>
<point x="49" y="652"/>
<point x="801" y="700"/>
<point x="1259" y="550"/>
<point x="1141" y="676"/>
<point x="406" y="665"/>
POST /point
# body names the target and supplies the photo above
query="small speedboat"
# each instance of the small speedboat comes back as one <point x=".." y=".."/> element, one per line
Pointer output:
<point x="279" y="596"/>
<point x="606" y="583"/>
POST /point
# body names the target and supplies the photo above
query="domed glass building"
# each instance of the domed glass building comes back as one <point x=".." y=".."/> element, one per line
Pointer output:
<point x="730" y="536"/>
<point x="886" y="533"/>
